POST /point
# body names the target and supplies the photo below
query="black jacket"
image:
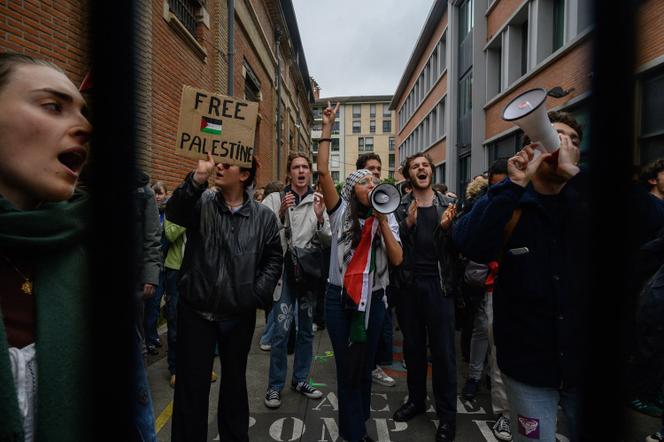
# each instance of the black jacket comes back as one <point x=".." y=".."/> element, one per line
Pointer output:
<point x="541" y="293"/>
<point x="147" y="233"/>
<point x="232" y="261"/>
<point x="446" y="254"/>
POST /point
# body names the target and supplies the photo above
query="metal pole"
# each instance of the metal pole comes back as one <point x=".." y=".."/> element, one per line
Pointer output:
<point x="277" y="37"/>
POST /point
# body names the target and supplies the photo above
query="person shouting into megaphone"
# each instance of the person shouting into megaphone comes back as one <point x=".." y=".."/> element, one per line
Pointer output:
<point x="363" y="244"/>
<point x="534" y="223"/>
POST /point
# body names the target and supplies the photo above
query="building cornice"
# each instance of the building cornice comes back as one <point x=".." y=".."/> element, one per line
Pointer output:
<point x="356" y="99"/>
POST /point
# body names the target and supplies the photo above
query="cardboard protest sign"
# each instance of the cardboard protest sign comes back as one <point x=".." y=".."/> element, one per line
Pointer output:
<point x="216" y="124"/>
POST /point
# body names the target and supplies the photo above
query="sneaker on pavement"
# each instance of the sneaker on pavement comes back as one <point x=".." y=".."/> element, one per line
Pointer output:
<point x="314" y="327"/>
<point x="380" y="377"/>
<point x="501" y="429"/>
<point x="272" y="399"/>
<point x="646" y="407"/>
<point x="307" y="390"/>
<point x="656" y="437"/>
<point x="266" y="347"/>
<point x="470" y="389"/>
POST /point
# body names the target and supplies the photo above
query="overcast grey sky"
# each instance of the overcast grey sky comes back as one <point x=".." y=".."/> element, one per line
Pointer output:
<point x="359" y="47"/>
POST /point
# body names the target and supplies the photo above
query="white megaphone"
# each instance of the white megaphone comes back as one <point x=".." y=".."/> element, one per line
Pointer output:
<point x="529" y="113"/>
<point x="385" y="198"/>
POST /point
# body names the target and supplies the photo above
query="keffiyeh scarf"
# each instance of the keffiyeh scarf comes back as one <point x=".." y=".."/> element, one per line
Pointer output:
<point x="359" y="266"/>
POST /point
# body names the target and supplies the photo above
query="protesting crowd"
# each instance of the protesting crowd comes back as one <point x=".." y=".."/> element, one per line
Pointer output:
<point x="506" y="265"/>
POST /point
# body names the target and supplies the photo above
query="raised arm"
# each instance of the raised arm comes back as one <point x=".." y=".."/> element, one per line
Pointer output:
<point x="180" y="206"/>
<point x="330" y="194"/>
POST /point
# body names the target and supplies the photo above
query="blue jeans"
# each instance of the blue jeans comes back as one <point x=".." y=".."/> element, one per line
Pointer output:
<point x="171" y="280"/>
<point x="142" y="402"/>
<point x="152" y="312"/>
<point x="354" y="403"/>
<point x="268" y="331"/>
<point x="283" y="314"/>
<point x="534" y="410"/>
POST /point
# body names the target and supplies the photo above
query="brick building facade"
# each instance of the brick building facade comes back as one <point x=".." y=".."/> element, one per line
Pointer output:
<point x="649" y="105"/>
<point x="185" y="42"/>
<point x="474" y="56"/>
<point x="55" y="31"/>
<point x="421" y="97"/>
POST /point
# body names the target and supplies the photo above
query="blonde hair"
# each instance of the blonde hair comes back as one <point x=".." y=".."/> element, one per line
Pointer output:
<point x="476" y="186"/>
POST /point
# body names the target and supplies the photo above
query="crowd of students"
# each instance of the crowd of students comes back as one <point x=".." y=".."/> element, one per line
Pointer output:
<point x="508" y="267"/>
<point x="433" y="259"/>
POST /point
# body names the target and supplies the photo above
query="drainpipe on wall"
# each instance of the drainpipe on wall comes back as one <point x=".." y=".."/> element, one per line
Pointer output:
<point x="231" y="46"/>
<point x="277" y="37"/>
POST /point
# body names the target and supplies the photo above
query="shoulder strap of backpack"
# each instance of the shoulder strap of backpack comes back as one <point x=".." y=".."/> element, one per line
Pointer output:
<point x="509" y="229"/>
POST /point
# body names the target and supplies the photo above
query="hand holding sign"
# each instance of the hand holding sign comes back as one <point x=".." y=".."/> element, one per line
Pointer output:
<point x="204" y="170"/>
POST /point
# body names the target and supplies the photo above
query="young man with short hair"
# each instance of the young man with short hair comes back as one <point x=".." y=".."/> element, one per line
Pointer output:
<point x="653" y="177"/>
<point x="426" y="303"/>
<point x="370" y="161"/>
<point x="536" y="224"/>
<point x="231" y="265"/>
<point x="303" y="223"/>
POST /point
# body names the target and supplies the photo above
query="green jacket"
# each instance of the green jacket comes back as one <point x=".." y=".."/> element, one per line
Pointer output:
<point x="176" y="236"/>
<point x="52" y="238"/>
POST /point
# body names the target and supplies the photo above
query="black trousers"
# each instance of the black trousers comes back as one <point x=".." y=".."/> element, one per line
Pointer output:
<point x="195" y="349"/>
<point x="423" y="310"/>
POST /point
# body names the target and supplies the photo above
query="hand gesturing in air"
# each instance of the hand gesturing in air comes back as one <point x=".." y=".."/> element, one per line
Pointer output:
<point x="330" y="114"/>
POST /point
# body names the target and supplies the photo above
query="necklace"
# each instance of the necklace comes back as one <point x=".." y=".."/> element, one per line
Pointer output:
<point x="26" y="287"/>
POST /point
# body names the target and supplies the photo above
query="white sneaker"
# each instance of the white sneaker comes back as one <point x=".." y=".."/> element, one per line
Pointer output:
<point x="501" y="429"/>
<point x="381" y="378"/>
<point x="266" y="347"/>
<point x="314" y="327"/>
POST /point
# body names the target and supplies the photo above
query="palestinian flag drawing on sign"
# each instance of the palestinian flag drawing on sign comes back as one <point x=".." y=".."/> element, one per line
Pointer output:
<point x="210" y="126"/>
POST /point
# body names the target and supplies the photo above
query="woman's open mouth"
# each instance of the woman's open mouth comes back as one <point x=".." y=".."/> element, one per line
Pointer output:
<point x="73" y="159"/>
